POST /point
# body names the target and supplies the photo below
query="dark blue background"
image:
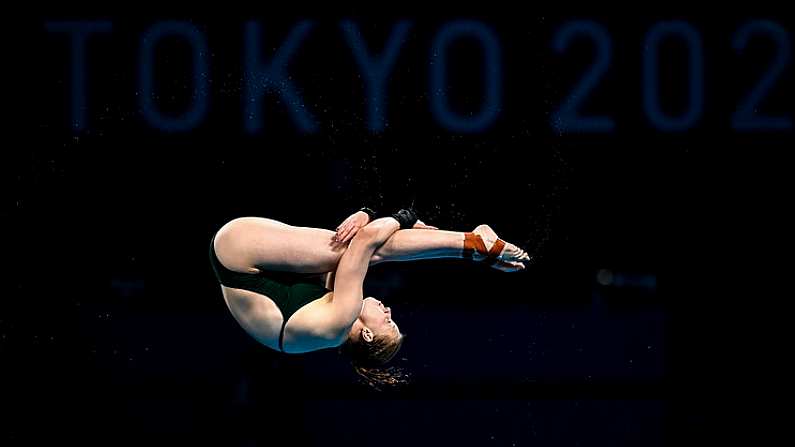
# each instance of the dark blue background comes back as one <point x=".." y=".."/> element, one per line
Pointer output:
<point x="117" y="333"/>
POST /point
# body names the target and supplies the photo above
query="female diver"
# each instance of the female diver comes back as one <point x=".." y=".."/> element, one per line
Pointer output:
<point x="300" y="289"/>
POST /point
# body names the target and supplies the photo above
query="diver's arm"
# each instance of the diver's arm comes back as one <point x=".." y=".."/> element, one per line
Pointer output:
<point x="358" y="220"/>
<point x="351" y="225"/>
<point x="346" y="300"/>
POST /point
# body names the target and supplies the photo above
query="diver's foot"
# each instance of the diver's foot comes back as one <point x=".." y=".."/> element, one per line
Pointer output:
<point x="488" y="247"/>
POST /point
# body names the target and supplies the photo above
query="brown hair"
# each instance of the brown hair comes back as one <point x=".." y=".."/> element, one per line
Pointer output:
<point x="368" y="360"/>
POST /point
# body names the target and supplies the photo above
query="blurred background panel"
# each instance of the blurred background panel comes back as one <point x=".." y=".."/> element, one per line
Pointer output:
<point x="597" y="158"/>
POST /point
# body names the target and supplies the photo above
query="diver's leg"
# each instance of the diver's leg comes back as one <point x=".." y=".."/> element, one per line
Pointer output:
<point x="249" y="244"/>
<point x="415" y="244"/>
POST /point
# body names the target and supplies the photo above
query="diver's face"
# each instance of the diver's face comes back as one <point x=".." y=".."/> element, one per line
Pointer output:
<point x="378" y="318"/>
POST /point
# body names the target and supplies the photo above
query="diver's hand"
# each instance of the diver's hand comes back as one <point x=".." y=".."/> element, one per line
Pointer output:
<point x="350" y="226"/>
<point x="421" y="224"/>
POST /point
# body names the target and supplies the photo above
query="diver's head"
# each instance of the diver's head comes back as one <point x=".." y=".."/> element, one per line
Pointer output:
<point x="375" y="319"/>
<point x="373" y="340"/>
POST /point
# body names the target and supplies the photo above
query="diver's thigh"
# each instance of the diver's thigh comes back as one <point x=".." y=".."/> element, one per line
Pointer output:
<point x="250" y="243"/>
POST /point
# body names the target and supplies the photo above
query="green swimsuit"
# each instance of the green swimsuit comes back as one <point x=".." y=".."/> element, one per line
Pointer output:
<point x="290" y="291"/>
